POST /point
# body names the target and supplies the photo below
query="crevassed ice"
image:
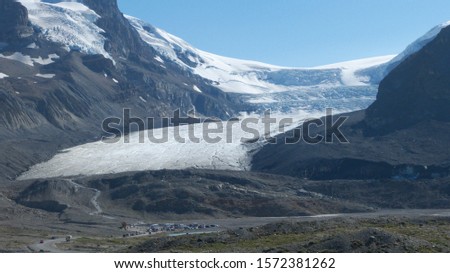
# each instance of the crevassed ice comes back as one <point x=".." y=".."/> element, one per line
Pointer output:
<point x="230" y="153"/>
<point x="70" y="23"/>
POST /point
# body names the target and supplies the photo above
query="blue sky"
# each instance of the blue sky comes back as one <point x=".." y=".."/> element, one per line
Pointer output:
<point x="294" y="32"/>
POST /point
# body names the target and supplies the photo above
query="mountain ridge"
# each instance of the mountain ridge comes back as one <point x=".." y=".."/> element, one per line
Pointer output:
<point x="68" y="90"/>
<point x="403" y="135"/>
<point x="54" y="97"/>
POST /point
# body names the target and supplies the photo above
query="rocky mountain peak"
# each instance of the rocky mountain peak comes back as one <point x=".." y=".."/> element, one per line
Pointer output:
<point x="122" y="38"/>
<point x="418" y="90"/>
<point x="103" y="7"/>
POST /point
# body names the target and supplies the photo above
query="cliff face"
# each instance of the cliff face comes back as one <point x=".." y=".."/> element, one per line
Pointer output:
<point x="122" y="38"/>
<point x="102" y="6"/>
<point x="417" y="90"/>
<point x="13" y="21"/>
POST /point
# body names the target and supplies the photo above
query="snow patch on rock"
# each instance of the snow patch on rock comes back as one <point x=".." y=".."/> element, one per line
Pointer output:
<point x="46" y="76"/>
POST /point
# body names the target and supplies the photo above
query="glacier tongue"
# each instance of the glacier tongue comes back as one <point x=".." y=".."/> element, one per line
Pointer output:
<point x="230" y="153"/>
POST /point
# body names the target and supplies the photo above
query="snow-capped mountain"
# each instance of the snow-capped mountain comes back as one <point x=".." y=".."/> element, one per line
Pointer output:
<point x="69" y="23"/>
<point x="283" y="88"/>
<point x="67" y="66"/>
<point x="403" y="135"/>
<point x="73" y="24"/>
<point x="250" y="77"/>
<point x="85" y="27"/>
<point x="83" y="61"/>
<point x="419" y="43"/>
<point x="344" y="86"/>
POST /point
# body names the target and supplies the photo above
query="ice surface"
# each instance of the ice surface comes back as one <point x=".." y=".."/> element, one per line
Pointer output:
<point x="343" y="86"/>
<point x="159" y="59"/>
<point x="196" y="89"/>
<point x="32" y="46"/>
<point x="231" y="153"/>
<point x="243" y="76"/>
<point x="51" y="59"/>
<point x="25" y="59"/>
<point x="420" y="43"/>
<point x="72" y="24"/>
<point x="19" y="57"/>
<point x="46" y="76"/>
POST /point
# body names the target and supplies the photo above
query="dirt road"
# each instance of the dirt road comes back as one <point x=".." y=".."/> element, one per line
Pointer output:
<point x="47" y="246"/>
<point x="50" y="245"/>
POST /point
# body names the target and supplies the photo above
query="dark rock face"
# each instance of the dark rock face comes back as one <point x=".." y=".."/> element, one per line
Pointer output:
<point x="102" y="6"/>
<point x="393" y="194"/>
<point x="122" y="38"/>
<point x="418" y="152"/>
<point x="403" y="135"/>
<point x="13" y="21"/>
<point x="54" y="196"/>
<point x="189" y="193"/>
<point x="417" y="90"/>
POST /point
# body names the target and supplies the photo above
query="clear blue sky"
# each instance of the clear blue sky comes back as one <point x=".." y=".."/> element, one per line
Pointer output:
<point x="294" y="32"/>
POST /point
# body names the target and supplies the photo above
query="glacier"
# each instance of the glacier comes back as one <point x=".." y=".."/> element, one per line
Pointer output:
<point x="298" y="93"/>
<point x="137" y="152"/>
<point x="251" y="77"/>
<point x="69" y="23"/>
